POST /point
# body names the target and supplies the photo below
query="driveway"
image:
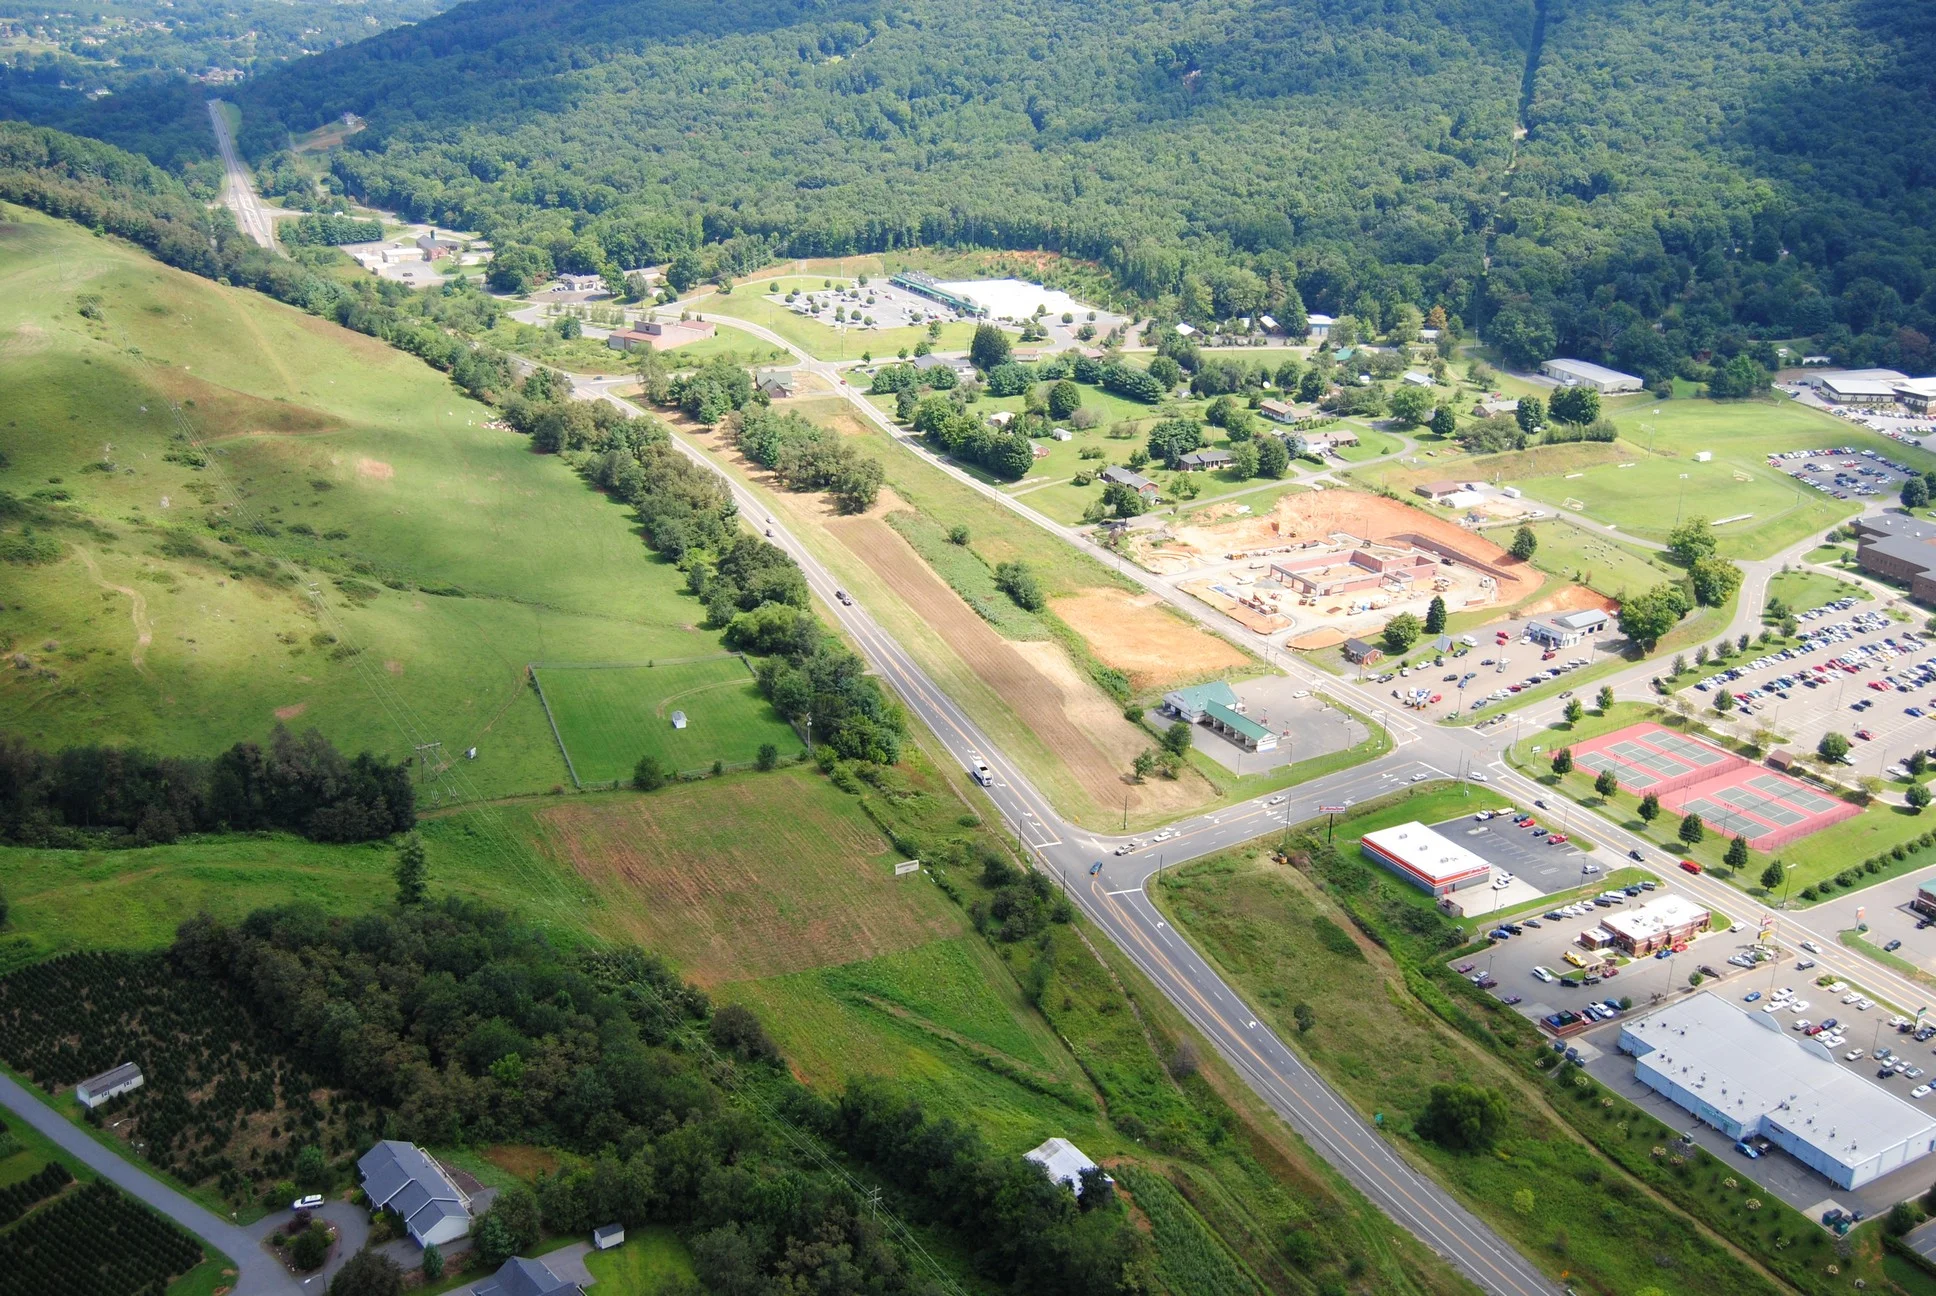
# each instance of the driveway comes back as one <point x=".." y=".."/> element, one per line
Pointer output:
<point x="567" y="1262"/>
<point x="352" y="1231"/>
<point x="258" y="1272"/>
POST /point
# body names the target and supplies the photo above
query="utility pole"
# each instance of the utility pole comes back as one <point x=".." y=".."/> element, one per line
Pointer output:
<point x="809" y="733"/>
<point x="424" y="753"/>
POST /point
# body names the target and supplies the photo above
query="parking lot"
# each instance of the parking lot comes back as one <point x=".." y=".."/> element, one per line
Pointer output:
<point x="1885" y="908"/>
<point x="879" y="305"/>
<point x="1544" y="942"/>
<point x="1490" y="673"/>
<point x="1862" y="1030"/>
<point x="1787" y="982"/>
<point x="1529" y="859"/>
<point x="1911" y="429"/>
<point x="1844" y="472"/>
<point x="1858" y="674"/>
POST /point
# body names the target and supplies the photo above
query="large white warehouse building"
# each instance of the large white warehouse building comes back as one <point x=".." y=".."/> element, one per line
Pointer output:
<point x="1743" y="1074"/>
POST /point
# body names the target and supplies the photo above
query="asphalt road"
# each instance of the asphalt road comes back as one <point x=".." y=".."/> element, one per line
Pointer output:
<point x="1115" y="900"/>
<point x="238" y="187"/>
<point x="257" y="1272"/>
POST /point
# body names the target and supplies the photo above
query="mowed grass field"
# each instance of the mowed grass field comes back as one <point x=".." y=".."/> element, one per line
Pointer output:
<point x="650" y="1260"/>
<point x="1595" y="561"/>
<point x="1659" y="440"/>
<point x="610" y="716"/>
<point x="330" y="452"/>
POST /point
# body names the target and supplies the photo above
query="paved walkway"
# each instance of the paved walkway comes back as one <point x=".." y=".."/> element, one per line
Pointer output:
<point x="258" y="1272"/>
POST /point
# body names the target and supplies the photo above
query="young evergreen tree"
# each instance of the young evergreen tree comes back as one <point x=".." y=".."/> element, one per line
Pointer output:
<point x="412" y="870"/>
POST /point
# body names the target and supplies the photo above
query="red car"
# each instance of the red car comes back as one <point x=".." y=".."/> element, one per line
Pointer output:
<point x="1690" y="866"/>
<point x="1864" y="735"/>
<point x="1878" y="686"/>
<point x="1556" y="839"/>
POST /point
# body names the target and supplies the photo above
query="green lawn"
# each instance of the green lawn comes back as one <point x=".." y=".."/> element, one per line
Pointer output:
<point x="448" y="552"/>
<point x="650" y="1260"/>
<point x="1372" y="444"/>
<point x="1660" y="440"/>
<point x="1596" y="561"/>
<point x="1802" y="590"/>
<point x="610" y="716"/>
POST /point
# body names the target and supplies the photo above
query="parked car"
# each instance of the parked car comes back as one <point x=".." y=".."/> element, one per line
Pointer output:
<point x="312" y="1202"/>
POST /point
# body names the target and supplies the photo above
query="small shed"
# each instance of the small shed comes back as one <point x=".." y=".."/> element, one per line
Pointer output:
<point x="111" y="1083"/>
<point x="678" y="719"/>
<point x="1064" y="1162"/>
<point x="608" y="1236"/>
<point x="1782" y="760"/>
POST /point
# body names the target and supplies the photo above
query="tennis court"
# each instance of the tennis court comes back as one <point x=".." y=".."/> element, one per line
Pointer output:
<point x="1732" y="795"/>
<point x="1647" y="758"/>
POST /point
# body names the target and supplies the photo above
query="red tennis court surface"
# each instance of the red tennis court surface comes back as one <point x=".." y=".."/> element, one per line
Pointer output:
<point x="1731" y="794"/>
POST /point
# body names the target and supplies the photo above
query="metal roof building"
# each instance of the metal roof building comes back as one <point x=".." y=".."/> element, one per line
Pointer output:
<point x="112" y="1083"/>
<point x="1584" y="373"/>
<point x="1432" y="863"/>
<point x="1741" y="1073"/>
<point x="1063" y="1160"/>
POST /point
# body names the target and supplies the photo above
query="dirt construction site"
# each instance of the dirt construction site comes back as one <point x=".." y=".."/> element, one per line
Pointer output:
<point x="1322" y="566"/>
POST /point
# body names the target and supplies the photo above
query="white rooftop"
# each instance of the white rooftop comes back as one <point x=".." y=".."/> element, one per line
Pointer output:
<point x="1063" y="1160"/>
<point x="1744" y="1065"/>
<point x="1425" y="852"/>
<point x="1587" y="370"/>
<point x="1013" y="298"/>
<point x="1651" y="919"/>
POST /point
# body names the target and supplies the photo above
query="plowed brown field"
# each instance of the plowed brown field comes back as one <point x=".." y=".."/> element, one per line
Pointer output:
<point x="1133" y="634"/>
<point x="1085" y="733"/>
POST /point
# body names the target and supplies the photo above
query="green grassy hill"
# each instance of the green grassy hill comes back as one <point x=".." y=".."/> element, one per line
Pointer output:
<point x="177" y="611"/>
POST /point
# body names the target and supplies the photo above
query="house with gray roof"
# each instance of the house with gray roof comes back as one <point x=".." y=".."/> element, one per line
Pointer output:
<point x="521" y="1277"/>
<point x="403" y="1178"/>
<point x="1116" y="475"/>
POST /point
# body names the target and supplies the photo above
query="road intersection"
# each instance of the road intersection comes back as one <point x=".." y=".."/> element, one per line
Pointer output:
<point x="1116" y="897"/>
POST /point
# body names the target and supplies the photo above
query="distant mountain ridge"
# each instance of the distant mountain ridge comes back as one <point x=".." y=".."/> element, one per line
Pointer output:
<point x="1651" y="184"/>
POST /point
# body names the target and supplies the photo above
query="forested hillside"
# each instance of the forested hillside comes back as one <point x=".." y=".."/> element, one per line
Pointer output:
<point x="1635" y="180"/>
<point x="1128" y="132"/>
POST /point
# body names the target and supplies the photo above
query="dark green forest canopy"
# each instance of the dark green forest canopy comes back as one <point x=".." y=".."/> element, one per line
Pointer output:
<point x="1732" y="171"/>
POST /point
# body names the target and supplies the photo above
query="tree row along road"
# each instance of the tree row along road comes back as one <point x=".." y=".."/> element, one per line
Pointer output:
<point x="1115" y="902"/>
<point x="238" y="186"/>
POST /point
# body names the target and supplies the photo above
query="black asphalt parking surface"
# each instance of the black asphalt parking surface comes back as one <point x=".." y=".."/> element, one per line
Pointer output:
<point x="1544" y="868"/>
